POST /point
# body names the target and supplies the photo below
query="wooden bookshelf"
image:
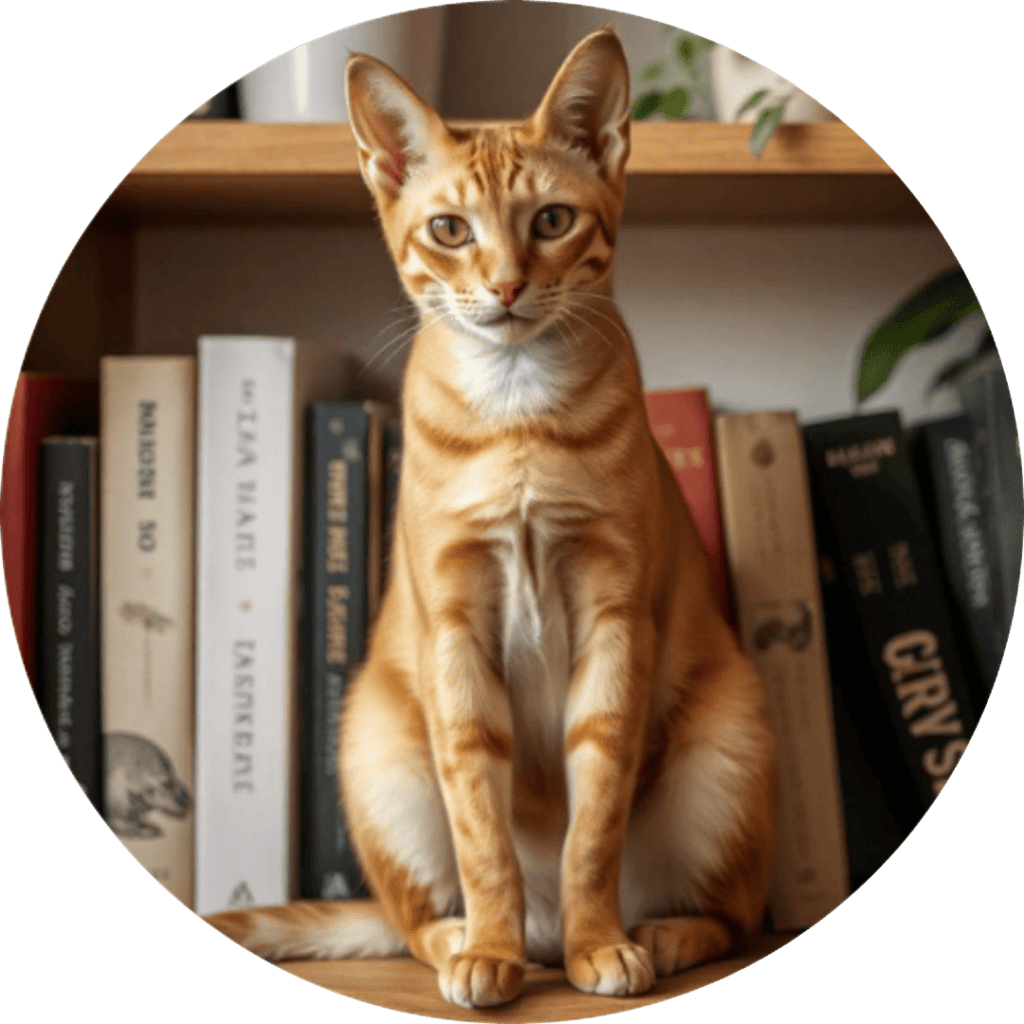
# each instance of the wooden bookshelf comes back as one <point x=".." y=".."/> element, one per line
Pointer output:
<point x="685" y="172"/>
<point x="407" y="985"/>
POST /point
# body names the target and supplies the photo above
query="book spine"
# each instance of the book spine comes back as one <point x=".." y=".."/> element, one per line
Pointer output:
<point x="147" y="474"/>
<point x="985" y="397"/>
<point x="244" y="620"/>
<point x="887" y="562"/>
<point x="681" y="424"/>
<point x="770" y="547"/>
<point x="337" y="537"/>
<point x="392" y="462"/>
<point x="949" y="478"/>
<point x="69" y="637"/>
<point x="43" y="404"/>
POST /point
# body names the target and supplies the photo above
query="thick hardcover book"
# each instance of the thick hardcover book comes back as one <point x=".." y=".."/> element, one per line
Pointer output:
<point x="878" y="535"/>
<point x="773" y="564"/>
<point x="253" y="393"/>
<point x="43" y="404"/>
<point x="69" y="636"/>
<point x="147" y="508"/>
<point x="681" y="423"/>
<point x="952" y="494"/>
<point x="343" y="557"/>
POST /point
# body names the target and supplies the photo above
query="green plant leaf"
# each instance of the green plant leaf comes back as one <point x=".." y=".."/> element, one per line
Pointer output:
<point x="645" y="105"/>
<point x="686" y="51"/>
<point x="653" y="71"/>
<point x="675" y="103"/>
<point x="928" y="314"/>
<point x="764" y="127"/>
<point x="752" y="101"/>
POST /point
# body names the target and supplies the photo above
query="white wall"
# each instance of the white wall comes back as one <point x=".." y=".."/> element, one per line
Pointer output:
<point x="776" y="316"/>
<point x="765" y="317"/>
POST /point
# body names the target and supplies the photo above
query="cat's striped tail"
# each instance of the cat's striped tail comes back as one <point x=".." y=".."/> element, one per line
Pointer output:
<point x="312" y="929"/>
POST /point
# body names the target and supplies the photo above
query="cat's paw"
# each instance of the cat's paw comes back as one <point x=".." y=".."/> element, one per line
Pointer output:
<point x="469" y="980"/>
<point x="624" y="969"/>
<point x="676" y="943"/>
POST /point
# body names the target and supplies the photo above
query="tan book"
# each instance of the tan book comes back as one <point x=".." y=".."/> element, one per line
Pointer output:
<point x="147" y="507"/>
<point x="772" y="559"/>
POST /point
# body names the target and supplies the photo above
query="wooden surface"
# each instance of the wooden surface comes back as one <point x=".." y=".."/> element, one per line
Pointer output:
<point x="407" y="985"/>
<point x="686" y="171"/>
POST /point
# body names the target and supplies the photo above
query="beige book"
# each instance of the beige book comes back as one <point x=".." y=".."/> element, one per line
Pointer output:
<point x="147" y="484"/>
<point x="772" y="559"/>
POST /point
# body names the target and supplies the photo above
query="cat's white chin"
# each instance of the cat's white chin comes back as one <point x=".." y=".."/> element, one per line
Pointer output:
<point x="507" y="330"/>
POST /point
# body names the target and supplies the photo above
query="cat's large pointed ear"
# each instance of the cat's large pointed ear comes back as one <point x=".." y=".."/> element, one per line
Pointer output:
<point x="587" y="104"/>
<point x="394" y="129"/>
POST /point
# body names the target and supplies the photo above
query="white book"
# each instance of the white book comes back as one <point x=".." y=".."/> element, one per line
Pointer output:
<point x="253" y="392"/>
<point x="147" y="474"/>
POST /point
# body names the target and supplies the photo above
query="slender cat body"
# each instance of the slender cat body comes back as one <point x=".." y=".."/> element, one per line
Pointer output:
<point x="555" y="750"/>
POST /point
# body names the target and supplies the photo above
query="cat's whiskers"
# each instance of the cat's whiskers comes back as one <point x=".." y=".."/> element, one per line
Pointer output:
<point x="407" y="323"/>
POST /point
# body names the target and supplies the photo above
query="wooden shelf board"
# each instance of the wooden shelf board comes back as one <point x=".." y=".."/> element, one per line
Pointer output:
<point x="682" y="172"/>
<point x="407" y="985"/>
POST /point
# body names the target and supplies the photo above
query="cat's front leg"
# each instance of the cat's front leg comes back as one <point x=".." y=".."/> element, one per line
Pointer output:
<point x="605" y="719"/>
<point x="470" y="726"/>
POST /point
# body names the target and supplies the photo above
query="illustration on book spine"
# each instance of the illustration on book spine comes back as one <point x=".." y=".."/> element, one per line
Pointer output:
<point x="140" y="780"/>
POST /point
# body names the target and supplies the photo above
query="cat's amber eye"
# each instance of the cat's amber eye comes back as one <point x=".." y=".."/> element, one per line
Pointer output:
<point x="553" y="221"/>
<point x="450" y="231"/>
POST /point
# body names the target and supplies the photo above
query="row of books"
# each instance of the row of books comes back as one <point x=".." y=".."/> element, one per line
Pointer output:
<point x="868" y="578"/>
<point x="873" y="576"/>
<point x="154" y="528"/>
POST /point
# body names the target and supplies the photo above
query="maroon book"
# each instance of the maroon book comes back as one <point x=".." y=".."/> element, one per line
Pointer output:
<point x="681" y="423"/>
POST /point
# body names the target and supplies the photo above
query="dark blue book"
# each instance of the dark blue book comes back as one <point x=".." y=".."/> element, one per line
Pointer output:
<point x="68" y="642"/>
<point x="392" y="465"/>
<point x="341" y="579"/>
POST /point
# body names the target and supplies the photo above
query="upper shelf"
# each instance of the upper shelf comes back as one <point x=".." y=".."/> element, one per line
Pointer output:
<point x="686" y="172"/>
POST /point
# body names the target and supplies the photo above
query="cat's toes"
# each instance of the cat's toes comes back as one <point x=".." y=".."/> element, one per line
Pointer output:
<point x="676" y="943"/>
<point x="624" y="969"/>
<point x="469" y="980"/>
<point x="663" y="945"/>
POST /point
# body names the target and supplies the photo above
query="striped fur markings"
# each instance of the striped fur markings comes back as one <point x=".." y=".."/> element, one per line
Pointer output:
<point x="555" y="749"/>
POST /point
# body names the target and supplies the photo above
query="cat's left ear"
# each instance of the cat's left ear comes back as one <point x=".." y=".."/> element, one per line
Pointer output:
<point x="587" y="104"/>
<point x="393" y="128"/>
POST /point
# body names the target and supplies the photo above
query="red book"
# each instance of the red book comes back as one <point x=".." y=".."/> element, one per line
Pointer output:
<point x="43" y="404"/>
<point x="681" y="422"/>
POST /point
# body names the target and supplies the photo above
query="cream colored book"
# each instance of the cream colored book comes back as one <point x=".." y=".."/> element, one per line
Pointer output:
<point x="772" y="559"/>
<point x="147" y="507"/>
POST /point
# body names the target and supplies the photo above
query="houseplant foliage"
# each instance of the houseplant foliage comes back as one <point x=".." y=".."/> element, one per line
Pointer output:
<point x="925" y="316"/>
<point x="665" y="95"/>
<point x="668" y="97"/>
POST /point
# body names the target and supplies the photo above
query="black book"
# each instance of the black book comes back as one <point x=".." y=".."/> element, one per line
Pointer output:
<point x="890" y="634"/>
<point x="68" y="641"/>
<point x="392" y="465"/>
<point x="951" y="488"/>
<point x="986" y="401"/>
<point x="342" y="583"/>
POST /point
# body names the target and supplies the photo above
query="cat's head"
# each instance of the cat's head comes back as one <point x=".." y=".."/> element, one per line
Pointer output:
<point x="505" y="230"/>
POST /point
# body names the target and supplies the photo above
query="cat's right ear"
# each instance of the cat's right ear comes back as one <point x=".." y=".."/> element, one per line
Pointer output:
<point x="393" y="128"/>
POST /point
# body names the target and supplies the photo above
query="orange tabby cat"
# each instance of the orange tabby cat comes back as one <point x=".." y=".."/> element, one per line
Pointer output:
<point x="556" y="750"/>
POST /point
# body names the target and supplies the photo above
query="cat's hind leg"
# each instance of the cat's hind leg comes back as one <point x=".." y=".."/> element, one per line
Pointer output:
<point x="698" y="850"/>
<point x="397" y="824"/>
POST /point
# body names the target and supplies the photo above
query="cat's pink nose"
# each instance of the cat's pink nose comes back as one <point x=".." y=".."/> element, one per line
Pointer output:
<point x="508" y="291"/>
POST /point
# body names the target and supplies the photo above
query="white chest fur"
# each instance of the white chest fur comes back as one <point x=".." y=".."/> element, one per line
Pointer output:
<point x="534" y="640"/>
<point x="515" y="380"/>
